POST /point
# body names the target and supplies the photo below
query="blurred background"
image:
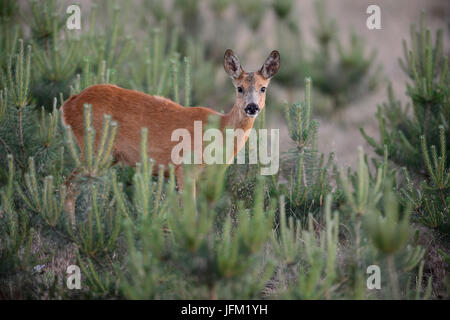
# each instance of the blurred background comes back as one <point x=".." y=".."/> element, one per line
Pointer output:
<point x="329" y="41"/>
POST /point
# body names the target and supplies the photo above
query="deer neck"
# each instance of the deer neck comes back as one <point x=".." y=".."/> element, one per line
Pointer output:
<point x="236" y="119"/>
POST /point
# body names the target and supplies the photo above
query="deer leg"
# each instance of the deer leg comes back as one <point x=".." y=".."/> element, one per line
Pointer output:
<point x="179" y="175"/>
<point x="194" y="190"/>
<point x="71" y="196"/>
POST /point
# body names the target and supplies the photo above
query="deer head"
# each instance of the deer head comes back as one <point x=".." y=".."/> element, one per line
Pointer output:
<point x="251" y="86"/>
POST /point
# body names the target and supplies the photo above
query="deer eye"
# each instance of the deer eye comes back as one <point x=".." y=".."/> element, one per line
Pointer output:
<point x="263" y="89"/>
<point x="240" y="89"/>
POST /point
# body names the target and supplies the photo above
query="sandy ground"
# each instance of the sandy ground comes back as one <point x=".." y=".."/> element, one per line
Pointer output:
<point x="396" y="17"/>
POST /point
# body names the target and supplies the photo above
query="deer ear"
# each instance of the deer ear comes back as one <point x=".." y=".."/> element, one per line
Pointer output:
<point x="271" y="65"/>
<point x="231" y="64"/>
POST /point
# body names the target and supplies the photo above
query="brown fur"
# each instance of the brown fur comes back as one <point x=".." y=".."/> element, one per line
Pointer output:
<point x="133" y="110"/>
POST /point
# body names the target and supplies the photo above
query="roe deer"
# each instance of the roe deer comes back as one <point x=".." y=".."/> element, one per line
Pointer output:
<point x="133" y="110"/>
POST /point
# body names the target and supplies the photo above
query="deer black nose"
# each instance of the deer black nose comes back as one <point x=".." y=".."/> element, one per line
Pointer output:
<point x="251" y="109"/>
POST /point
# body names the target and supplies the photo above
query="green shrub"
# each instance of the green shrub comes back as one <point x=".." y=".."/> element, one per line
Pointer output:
<point x="417" y="139"/>
<point x="308" y="232"/>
